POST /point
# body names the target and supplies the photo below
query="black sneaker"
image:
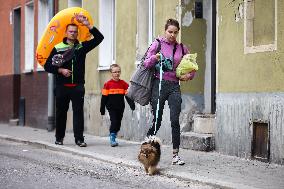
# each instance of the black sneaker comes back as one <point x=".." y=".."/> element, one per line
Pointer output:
<point x="81" y="143"/>
<point x="59" y="142"/>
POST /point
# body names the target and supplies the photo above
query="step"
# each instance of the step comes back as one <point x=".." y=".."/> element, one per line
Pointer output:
<point x="197" y="141"/>
<point x="14" y="122"/>
<point x="204" y="123"/>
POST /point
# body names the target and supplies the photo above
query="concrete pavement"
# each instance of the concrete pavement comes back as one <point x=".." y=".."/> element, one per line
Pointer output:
<point x="206" y="167"/>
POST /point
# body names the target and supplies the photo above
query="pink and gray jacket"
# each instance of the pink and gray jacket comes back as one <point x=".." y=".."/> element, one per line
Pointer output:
<point x="167" y="50"/>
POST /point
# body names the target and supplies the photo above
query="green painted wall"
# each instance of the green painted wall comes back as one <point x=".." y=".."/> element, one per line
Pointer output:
<point x="194" y="36"/>
<point x="126" y="36"/>
<point x="239" y="72"/>
<point x="164" y="9"/>
<point x="62" y="4"/>
<point x="92" y="74"/>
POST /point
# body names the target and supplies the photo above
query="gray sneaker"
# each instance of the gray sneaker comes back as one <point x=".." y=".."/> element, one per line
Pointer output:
<point x="81" y="143"/>
<point x="177" y="161"/>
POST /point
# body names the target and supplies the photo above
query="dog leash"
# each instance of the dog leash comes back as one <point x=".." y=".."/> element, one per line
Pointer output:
<point x="160" y="87"/>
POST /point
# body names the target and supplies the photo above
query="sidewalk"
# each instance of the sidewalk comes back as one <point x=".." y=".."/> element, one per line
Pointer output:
<point x="207" y="167"/>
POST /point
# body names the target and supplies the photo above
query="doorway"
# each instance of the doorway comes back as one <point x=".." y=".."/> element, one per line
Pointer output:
<point x="16" y="61"/>
<point x="261" y="142"/>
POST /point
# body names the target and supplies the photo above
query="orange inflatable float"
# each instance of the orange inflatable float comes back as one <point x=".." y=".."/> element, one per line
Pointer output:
<point x="55" y="31"/>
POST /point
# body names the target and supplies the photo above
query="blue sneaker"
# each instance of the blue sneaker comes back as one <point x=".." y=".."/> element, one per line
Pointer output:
<point x="112" y="138"/>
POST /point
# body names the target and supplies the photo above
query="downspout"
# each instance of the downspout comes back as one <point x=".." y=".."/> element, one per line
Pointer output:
<point x="213" y="59"/>
<point x="51" y="112"/>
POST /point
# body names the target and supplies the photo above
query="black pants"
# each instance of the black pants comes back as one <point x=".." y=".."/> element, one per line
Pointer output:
<point x="115" y="120"/>
<point x="170" y="91"/>
<point x="63" y="96"/>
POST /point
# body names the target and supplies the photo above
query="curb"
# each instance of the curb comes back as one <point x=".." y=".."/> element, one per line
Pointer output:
<point x="118" y="161"/>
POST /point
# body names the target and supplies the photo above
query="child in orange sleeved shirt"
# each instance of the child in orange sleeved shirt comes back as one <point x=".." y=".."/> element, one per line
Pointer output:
<point x="113" y="99"/>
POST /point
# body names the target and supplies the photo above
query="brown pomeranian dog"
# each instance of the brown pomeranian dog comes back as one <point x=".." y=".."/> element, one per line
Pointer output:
<point x="150" y="153"/>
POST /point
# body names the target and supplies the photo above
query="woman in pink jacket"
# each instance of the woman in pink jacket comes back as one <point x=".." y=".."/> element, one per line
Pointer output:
<point x="171" y="54"/>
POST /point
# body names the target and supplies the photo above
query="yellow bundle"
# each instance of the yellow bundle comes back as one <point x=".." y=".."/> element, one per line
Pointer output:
<point x="187" y="64"/>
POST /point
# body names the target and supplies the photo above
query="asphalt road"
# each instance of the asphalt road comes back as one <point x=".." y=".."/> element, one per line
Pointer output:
<point x="24" y="166"/>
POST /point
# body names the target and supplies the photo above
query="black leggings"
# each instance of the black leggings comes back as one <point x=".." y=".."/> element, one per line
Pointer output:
<point x="115" y="120"/>
<point x="170" y="91"/>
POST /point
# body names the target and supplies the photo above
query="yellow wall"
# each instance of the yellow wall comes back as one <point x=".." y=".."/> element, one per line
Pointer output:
<point x="62" y="4"/>
<point x="194" y="37"/>
<point x="126" y="36"/>
<point x="239" y="72"/>
<point x="92" y="75"/>
<point x="164" y="9"/>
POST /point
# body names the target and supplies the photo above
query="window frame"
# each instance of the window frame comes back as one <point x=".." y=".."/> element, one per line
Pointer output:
<point x="29" y="37"/>
<point x="43" y="20"/>
<point x="145" y="27"/>
<point x="248" y="31"/>
<point x="107" y="24"/>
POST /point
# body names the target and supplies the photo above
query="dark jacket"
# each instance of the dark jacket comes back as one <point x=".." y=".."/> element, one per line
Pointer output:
<point x="77" y="63"/>
<point x="113" y="96"/>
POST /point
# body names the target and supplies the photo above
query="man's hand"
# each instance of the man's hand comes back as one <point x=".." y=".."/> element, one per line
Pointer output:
<point x="83" y="20"/>
<point x="65" y="72"/>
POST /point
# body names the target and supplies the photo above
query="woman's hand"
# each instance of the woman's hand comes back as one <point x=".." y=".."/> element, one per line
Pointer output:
<point x="188" y="76"/>
<point x="158" y="56"/>
<point x="184" y="77"/>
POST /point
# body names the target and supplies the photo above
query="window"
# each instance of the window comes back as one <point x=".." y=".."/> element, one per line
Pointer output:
<point x="43" y="20"/>
<point x="17" y="40"/>
<point x="260" y="29"/>
<point x="29" y="37"/>
<point x="107" y="27"/>
<point x="145" y="27"/>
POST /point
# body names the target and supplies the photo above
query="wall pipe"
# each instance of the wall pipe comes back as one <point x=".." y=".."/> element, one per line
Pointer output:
<point x="51" y="112"/>
<point x="213" y="59"/>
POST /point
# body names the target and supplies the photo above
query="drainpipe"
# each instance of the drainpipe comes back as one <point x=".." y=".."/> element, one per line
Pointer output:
<point x="213" y="59"/>
<point x="51" y="113"/>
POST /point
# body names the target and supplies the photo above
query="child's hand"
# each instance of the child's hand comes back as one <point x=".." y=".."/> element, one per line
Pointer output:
<point x="102" y="110"/>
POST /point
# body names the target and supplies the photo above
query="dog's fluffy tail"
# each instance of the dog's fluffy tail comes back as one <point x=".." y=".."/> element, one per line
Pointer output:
<point x="152" y="139"/>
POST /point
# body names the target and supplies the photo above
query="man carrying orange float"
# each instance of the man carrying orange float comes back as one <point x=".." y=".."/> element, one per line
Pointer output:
<point x="67" y="62"/>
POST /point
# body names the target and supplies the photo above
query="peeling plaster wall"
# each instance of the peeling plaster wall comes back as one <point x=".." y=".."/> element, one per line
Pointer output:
<point x="136" y="124"/>
<point x="235" y="113"/>
<point x="240" y="72"/>
<point x="196" y="34"/>
<point x="250" y="86"/>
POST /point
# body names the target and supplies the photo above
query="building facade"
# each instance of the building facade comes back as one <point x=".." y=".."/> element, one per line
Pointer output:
<point x="239" y="81"/>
